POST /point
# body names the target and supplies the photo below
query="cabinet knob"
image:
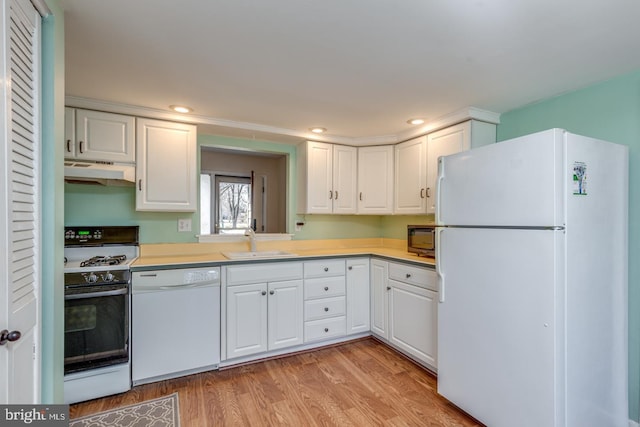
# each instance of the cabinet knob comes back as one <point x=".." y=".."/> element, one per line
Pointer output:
<point x="388" y="288"/>
<point x="6" y="336"/>
<point x="326" y="269"/>
<point x="350" y="267"/>
<point x="408" y="275"/>
<point x="264" y="292"/>
<point x="326" y="329"/>
<point x="272" y="292"/>
<point x="326" y="288"/>
<point x="326" y="309"/>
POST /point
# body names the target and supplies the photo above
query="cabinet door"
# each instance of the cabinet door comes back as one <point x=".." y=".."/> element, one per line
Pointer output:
<point x="413" y="320"/>
<point x="375" y="180"/>
<point x="358" y="299"/>
<point x="447" y="141"/>
<point x="285" y="323"/>
<point x="104" y="136"/>
<point x="69" y="132"/>
<point x="166" y="170"/>
<point x="411" y="177"/>
<point x="319" y="178"/>
<point x="246" y="319"/>
<point x="345" y="166"/>
<point x="379" y="297"/>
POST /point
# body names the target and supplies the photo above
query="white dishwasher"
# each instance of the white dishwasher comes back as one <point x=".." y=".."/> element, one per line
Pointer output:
<point x="175" y="323"/>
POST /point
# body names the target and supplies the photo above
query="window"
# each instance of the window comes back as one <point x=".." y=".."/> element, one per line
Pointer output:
<point x="227" y="204"/>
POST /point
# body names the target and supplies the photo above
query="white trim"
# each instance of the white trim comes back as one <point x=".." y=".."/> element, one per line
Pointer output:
<point x="41" y="7"/>
<point x="468" y="113"/>
<point x="232" y="238"/>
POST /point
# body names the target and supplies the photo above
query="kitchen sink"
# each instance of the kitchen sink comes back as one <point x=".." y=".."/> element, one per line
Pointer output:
<point x="257" y="254"/>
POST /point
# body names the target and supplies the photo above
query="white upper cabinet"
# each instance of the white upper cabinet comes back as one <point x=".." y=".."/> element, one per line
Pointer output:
<point x="326" y="178"/>
<point x="411" y="177"/>
<point x="99" y="136"/>
<point x="166" y="170"/>
<point x="375" y="180"/>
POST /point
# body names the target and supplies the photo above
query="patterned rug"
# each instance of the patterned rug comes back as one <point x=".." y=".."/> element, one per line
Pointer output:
<point x="161" y="412"/>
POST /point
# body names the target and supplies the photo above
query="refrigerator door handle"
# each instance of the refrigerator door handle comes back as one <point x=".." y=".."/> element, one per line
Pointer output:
<point x="439" y="231"/>
<point x="438" y="190"/>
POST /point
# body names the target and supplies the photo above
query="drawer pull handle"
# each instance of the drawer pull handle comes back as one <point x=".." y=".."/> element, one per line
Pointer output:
<point x="326" y="288"/>
<point x="408" y="275"/>
<point x="264" y="292"/>
<point x="326" y="329"/>
<point x="326" y="309"/>
<point x="326" y="269"/>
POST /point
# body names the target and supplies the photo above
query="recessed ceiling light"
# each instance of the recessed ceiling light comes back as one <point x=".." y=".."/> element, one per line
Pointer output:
<point x="415" y="121"/>
<point x="181" y="108"/>
<point x="318" y="130"/>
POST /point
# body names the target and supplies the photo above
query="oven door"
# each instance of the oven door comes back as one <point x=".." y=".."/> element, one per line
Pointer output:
<point x="96" y="326"/>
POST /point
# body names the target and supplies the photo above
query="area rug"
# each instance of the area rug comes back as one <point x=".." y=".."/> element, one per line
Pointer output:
<point x="160" y="412"/>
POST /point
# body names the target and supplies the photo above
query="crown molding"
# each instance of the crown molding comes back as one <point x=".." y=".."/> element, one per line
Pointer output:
<point x="464" y="114"/>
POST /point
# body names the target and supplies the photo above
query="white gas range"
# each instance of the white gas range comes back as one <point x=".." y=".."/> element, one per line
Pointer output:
<point x="97" y="310"/>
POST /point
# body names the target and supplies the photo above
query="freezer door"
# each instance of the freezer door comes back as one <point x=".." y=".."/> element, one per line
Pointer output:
<point x="500" y="324"/>
<point x="519" y="182"/>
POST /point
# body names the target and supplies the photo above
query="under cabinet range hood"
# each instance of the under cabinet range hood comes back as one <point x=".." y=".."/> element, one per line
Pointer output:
<point x="99" y="173"/>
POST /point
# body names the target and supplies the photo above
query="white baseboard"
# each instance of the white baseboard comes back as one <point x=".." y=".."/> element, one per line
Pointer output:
<point x="633" y="424"/>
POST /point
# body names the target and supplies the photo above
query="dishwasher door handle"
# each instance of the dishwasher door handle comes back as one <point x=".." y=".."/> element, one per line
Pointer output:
<point x="171" y="287"/>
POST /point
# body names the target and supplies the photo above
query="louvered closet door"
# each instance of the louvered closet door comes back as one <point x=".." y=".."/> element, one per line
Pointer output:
<point x="19" y="197"/>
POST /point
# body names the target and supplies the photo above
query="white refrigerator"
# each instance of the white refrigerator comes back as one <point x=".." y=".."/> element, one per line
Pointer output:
<point x="532" y="267"/>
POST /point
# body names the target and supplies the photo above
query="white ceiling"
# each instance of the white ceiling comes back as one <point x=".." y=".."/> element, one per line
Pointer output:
<point x="360" y="68"/>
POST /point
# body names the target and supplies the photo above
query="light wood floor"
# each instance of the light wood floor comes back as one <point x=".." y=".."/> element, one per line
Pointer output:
<point x="361" y="383"/>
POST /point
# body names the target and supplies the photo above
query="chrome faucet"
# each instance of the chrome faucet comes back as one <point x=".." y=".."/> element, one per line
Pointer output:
<point x="252" y="238"/>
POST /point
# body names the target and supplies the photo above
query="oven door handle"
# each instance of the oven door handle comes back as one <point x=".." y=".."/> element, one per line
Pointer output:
<point x="114" y="292"/>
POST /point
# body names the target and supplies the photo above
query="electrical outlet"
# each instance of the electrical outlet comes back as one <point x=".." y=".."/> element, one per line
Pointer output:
<point x="184" y="224"/>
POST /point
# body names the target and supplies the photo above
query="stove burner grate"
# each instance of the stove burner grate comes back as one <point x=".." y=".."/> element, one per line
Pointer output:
<point x="103" y="260"/>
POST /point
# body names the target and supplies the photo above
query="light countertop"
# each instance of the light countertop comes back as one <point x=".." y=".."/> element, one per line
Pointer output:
<point x="177" y="254"/>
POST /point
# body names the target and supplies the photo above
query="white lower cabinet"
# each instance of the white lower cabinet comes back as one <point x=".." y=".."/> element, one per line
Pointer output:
<point x="324" y="299"/>
<point x="358" y="295"/>
<point x="266" y="315"/>
<point x="404" y="308"/>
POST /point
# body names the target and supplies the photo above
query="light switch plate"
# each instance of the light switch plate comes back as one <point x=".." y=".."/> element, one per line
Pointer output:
<point x="184" y="224"/>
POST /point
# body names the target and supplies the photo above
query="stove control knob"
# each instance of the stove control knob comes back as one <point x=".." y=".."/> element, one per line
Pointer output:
<point x="92" y="278"/>
<point x="108" y="277"/>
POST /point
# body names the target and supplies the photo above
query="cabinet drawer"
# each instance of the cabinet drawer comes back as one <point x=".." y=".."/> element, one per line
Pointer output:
<point x="325" y="328"/>
<point x="324" y="268"/>
<point x="423" y="277"/>
<point x="321" y="288"/>
<point x="324" y="307"/>
<point x="263" y="272"/>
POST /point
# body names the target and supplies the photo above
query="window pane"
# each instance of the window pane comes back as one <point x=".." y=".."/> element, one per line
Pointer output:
<point x="234" y="204"/>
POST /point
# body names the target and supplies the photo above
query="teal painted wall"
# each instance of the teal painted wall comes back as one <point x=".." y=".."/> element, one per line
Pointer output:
<point x="52" y="301"/>
<point x="609" y="111"/>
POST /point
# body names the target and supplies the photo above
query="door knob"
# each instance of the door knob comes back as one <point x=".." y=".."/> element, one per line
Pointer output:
<point x="5" y="336"/>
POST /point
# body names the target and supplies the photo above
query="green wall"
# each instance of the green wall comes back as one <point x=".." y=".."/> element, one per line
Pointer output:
<point x="52" y="301"/>
<point x="609" y="111"/>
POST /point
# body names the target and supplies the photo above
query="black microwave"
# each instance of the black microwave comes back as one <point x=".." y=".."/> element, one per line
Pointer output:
<point x="421" y="240"/>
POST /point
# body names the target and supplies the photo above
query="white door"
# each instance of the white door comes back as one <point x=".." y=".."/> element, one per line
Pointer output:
<point x="104" y="136"/>
<point x="411" y="177"/>
<point x="285" y="323"/>
<point x="500" y="322"/>
<point x="19" y="207"/>
<point x="358" y="296"/>
<point x="379" y="297"/>
<point x="410" y="306"/>
<point x="319" y="178"/>
<point x="512" y="183"/>
<point x="345" y="165"/>
<point x="246" y="319"/>
<point x="375" y="180"/>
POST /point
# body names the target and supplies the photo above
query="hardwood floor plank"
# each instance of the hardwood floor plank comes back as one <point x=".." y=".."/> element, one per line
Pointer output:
<point x="360" y="383"/>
